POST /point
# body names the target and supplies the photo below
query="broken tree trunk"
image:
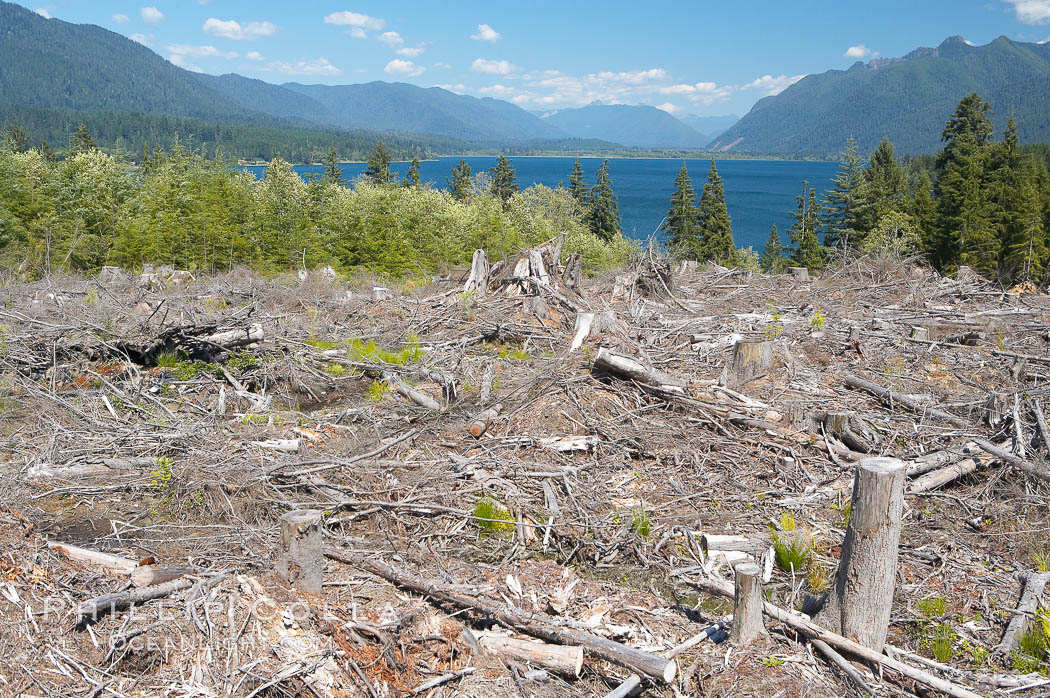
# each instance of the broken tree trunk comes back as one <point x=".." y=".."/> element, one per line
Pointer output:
<point x="1031" y="600"/>
<point x="566" y="660"/>
<point x="632" y="369"/>
<point x="914" y="405"/>
<point x="949" y="473"/>
<point x="748" y="626"/>
<point x="533" y="624"/>
<point x="861" y="599"/>
<point x="573" y="274"/>
<point x="583" y="328"/>
<point x="93" y="609"/>
<point x="301" y="560"/>
<point x="479" y="274"/>
<point x="1010" y="458"/>
<point x="111" y="563"/>
<point x="845" y="427"/>
<point x="751" y="359"/>
<point x="482" y="421"/>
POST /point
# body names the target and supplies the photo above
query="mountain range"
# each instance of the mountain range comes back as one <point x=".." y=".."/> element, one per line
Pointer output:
<point x="54" y="74"/>
<point x="906" y="99"/>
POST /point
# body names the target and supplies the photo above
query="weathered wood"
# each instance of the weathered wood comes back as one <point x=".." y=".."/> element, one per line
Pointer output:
<point x="922" y="333"/>
<point x="111" y="563"/>
<point x="800" y="273"/>
<point x="573" y="274"/>
<point x="751" y="359"/>
<point x="582" y="329"/>
<point x="754" y="545"/>
<point x="239" y="337"/>
<point x="839" y="661"/>
<point x="481" y="423"/>
<point x="949" y="473"/>
<point x="1007" y="457"/>
<point x="747" y="606"/>
<point x="534" y="624"/>
<point x="861" y="599"/>
<point x="93" y="609"/>
<point x="888" y="395"/>
<point x="566" y="660"/>
<point x="811" y="630"/>
<point x="479" y="274"/>
<point x="632" y="369"/>
<point x="380" y="293"/>
<point x="150" y="575"/>
<point x="301" y="557"/>
<point x="1031" y="600"/>
<point x="416" y="396"/>
<point x="629" y="687"/>
<point x="845" y="427"/>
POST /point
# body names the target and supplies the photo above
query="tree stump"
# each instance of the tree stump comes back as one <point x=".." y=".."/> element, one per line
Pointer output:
<point x="861" y="599"/>
<point x="479" y="273"/>
<point x="751" y="358"/>
<point x="747" y="606"/>
<point x="301" y="559"/>
<point x="922" y="333"/>
<point x="381" y="294"/>
<point x="800" y="273"/>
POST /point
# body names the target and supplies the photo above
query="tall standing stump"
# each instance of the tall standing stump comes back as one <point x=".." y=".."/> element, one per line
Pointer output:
<point x="301" y="560"/>
<point x="751" y="359"/>
<point x="747" y="605"/>
<point x="860" y="602"/>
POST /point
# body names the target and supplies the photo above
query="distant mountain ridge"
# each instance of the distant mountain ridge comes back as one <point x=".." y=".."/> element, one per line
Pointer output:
<point x="906" y="99"/>
<point x="635" y="126"/>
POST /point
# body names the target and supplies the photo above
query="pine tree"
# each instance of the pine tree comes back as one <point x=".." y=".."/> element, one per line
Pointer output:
<point x="461" y="182"/>
<point x="603" y="214"/>
<point x="681" y="217"/>
<point x="81" y="141"/>
<point x="379" y="165"/>
<point x="884" y="191"/>
<point x="47" y="152"/>
<point x="808" y="251"/>
<point x="839" y="222"/>
<point x="712" y="221"/>
<point x="924" y="213"/>
<point x="17" y="139"/>
<point x="412" y="176"/>
<point x="970" y="117"/>
<point x="333" y="174"/>
<point x="772" y="260"/>
<point x="1017" y="206"/>
<point x="577" y="187"/>
<point x="503" y="185"/>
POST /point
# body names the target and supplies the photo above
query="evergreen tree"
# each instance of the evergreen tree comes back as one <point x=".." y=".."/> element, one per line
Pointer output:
<point x="47" y="152"/>
<point x="412" y="176"/>
<point x="379" y="165"/>
<point x="884" y="191"/>
<point x="808" y="251"/>
<point x="603" y="214"/>
<point x="924" y="213"/>
<point x="17" y="139"/>
<point x="461" y="183"/>
<point x="333" y="174"/>
<point x="503" y="185"/>
<point x="970" y="117"/>
<point x="577" y="187"/>
<point x="681" y="217"/>
<point x="712" y="221"/>
<point x="1017" y="206"/>
<point x="81" y="141"/>
<point x="839" y="222"/>
<point x="772" y="260"/>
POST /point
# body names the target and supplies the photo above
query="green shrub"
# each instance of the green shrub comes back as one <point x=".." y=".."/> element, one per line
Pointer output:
<point x="641" y="523"/>
<point x="792" y="546"/>
<point x="493" y="517"/>
<point x="933" y="607"/>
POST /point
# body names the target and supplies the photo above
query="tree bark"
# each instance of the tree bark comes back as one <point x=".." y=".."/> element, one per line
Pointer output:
<point x="479" y="274"/>
<point x="747" y="605"/>
<point x="861" y="599"/>
<point x="566" y="660"/>
<point x="633" y="369"/>
<point x="1031" y="599"/>
<point x="301" y="559"/>
<point x="750" y="360"/>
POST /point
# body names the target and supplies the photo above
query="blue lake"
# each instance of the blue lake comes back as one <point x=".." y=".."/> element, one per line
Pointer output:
<point x="759" y="193"/>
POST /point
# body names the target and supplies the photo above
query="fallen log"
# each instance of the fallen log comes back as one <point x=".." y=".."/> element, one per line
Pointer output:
<point x="93" y="609"/>
<point x="632" y="369"/>
<point x="938" y="478"/>
<point x="912" y="404"/>
<point x="110" y="563"/>
<point x="1031" y="599"/>
<point x="481" y="423"/>
<point x="1013" y="460"/>
<point x="566" y="660"/>
<point x="811" y="630"/>
<point x="534" y="624"/>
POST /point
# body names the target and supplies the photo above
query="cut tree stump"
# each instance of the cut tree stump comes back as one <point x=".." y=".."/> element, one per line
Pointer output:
<point x="800" y="273"/>
<point x="747" y="606"/>
<point x="484" y="418"/>
<point x="751" y="358"/>
<point x="922" y="333"/>
<point x="379" y="293"/>
<point x="861" y="599"/>
<point x="301" y="560"/>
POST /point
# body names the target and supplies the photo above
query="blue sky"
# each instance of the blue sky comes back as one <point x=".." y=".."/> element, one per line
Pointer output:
<point x="700" y="57"/>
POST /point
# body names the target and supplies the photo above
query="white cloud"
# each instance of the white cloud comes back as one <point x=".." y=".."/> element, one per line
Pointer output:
<point x="411" y="52"/>
<point x="443" y="65"/>
<point x="635" y="77"/>
<point x="551" y="87"/>
<point x="493" y="67"/>
<point x="180" y="60"/>
<point x="498" y="91"/>
<point x="1031" y="11"/>
<point x="769" y="85"/>
<point x="405" y="69"/>
<point x="858" y="51"/>
<point x="139" y="38"/>
<point x="42" y="11"/>
<point x="357" y="22"/>
<point x="152" y="15"/>
<point x="201" y="51"/>
<point x="486" y="33"/>
<point x="231" y="29"/>
<point x="458" y="87"/>
<point x="669" y="108"/>
<point x="121" y="19"/>
<point x="254" y="56"/>
<point x="391" y="39"/>
<point x="304" y="66"/>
